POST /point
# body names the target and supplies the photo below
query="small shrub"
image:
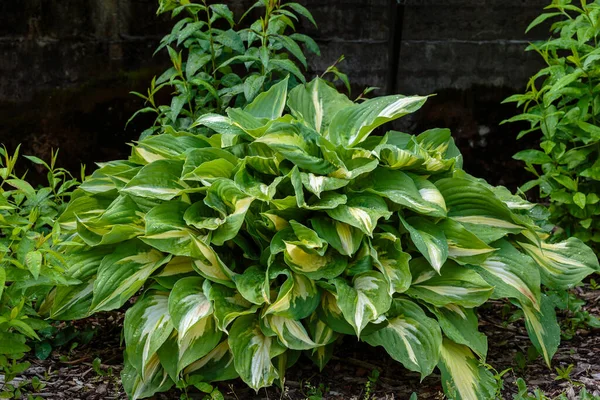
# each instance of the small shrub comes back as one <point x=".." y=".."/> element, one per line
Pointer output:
<point x="29" y="266"/>
<point x="562" y="102"/>
<point x="223" y="62"/>
<point x="275" y="233"/>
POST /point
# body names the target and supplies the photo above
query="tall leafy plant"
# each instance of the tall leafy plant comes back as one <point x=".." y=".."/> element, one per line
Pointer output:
<point x="562" y="103"/>
<point x="223" y="62"/>
<point x="29" y="266"/>
<point x="288" y="225"/>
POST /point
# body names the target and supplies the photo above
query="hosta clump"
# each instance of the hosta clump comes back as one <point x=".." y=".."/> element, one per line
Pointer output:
<point x="282" y="231"/>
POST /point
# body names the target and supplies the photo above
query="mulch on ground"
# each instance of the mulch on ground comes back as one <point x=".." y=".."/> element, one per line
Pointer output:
<point x="72" y="375"/>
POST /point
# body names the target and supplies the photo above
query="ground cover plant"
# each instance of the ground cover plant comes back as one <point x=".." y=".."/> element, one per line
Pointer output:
<point x="562" y="103"/>
<point x="29" y="266"/>
<point x="225" y="62"/>
<point x="288" y="224"/>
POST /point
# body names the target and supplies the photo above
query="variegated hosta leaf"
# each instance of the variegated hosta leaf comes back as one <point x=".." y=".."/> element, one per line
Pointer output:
<point x="156" y="380"/>
<point x="291" y="333"/>
<point x="216" y="366"/>
<point x="253" y="351"/>
<point x="324" y="337"/>
<point x="543" y="328"/>
<point x="366" y="300"/>
<point x="284" y="361"/>
<point x="410" y="337"/>
<point x="316" y="103"/>
<point x="191" y="313"/>
<point x="84" y="208"/>
<point x="460" y="325"/>
<point x="147" y="326"/>
<point x="253" y="285"/>
<point x="298" y="297"/>
<point x="225" y="197"/>
<point x="388" y="257"/>
<point x="401" y="189"/>
<point x="165" y="147"/>
<point x="122" y="273"/>
<point x="228" y="304"/>
<point x="166" y="229"/>
<point x="208" y="264"/>
<point x="109" y="177"/>
<point x="344" y="238"/>
<point x="361" y="211"/>
<point x="317" y="184"/>
<point x="207" y="164"/>
<point x="158" y="180"/>
<point x="353" y="124"/>
<point x="429" y="239"/>
<point x="476" y="207"/>
<point x="73" y="302"/>
<point x="248" y="181"/>
<point x="562" y="265"/>
<point x="463" y="246"/>
<point x="463" y="377"/>
<point x="512" y="274"/>
<point x="121" y="221"/>
<point x="270" y="104"/>
<point x="454" y="285"/>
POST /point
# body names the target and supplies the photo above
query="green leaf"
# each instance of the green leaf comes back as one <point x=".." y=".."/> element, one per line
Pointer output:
<point x="411" y="337"/>
<point x="579" y="199"/>
<point x="252" y="86"/>
<point x="157" y="180"/>
<point x="33" y="261"/>
<point x="269" y="104"/>
<point x="391" y="261"/>
<point x="460" y="325"/>
<point x="361" y="211"/>
<point x="353" y="124"/>
<point x="231" y="39"/>
<point x="429" y="239"/>
<point x="533" y="157"/>
<point x="228" y="304"/>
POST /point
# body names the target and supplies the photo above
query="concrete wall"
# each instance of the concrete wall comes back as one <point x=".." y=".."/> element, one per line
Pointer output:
<point x="67" y="66"/>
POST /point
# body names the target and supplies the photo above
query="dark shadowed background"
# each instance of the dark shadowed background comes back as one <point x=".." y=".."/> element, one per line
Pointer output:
<point x="66" y="68"/>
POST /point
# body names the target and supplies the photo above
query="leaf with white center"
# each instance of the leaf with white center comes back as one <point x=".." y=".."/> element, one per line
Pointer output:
<point x="316" y="103"/>
<point x="429" y="239"/>
<point x="228" y="304"/>
<point x="252" y="352"/>
<point x="345" y="238"/>
<point x="74" y="301"/>
<point x="225" y="197"/>
<point x="291" y="333"/>
<point x="298" y="297"/>
<point x="252" y="184"/>
<point x="429" y="192"/>
<point x="361" y="211"/>
<point x="122" y="273"/>
<point x="542" y="327"/>
<point x="147" y="326"/>
<point x="324" y="337"/>
<point x="166" y="229"/>
<point x="166" y="146"/>
<point x="312" y="264"/>
<point x="366" y="300"/>
<point x="389" y="258"/>
<point x="216" y="366"/>
<point x="562" y="265"/>
<point x="158" y="180"/>
<point x="191" y="312"/>
<point x="454" y="285"/>
<point x="463" y="246"/>
<point x="317" y="184"/>
<point x="122" y="220"/>
<point x="411" y="337"/>
<point x="460" y="325"/>
<point x="156" y="379"/>
<point x="351" y="125"/>
<point x="512" y="273"/>
<point x="198" y="168"/>
<point x="463" y="378"/>
<point x="84" y="208"/>
<point x="218" y="123"/>
<point x="270" y="104"/>
<point x="399" y="188"/>
<point x="208" y="264"/>
<point x="476" y="207"/>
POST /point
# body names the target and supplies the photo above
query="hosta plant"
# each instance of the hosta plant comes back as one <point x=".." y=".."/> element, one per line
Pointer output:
<point x="562" y="104"/>
<point x="291" y="225"/>
<point x="29" y="266"/>
<point x="219" y="60"/>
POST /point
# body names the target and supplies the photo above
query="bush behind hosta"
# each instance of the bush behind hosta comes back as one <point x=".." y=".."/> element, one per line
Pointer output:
<point x="287" y="225"/>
